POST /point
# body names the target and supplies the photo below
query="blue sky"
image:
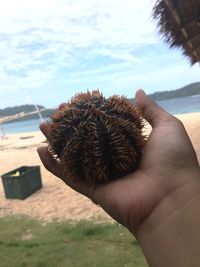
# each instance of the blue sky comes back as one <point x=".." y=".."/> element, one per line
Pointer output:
<point x="52" y="49"/>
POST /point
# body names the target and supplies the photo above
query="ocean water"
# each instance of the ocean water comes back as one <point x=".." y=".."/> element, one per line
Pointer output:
<point x="21" y="126"/>
<point x="174" y="106"/>
<point x="181" y="105"/>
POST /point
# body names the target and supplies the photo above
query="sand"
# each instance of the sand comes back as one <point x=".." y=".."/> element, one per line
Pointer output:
<point x="56" y="200"/>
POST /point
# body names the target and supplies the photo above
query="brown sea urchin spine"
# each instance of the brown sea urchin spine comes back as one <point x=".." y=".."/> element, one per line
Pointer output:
<point x="95" y="138"/>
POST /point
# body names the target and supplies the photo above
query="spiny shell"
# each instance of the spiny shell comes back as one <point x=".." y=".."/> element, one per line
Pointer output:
<point x="95" y="138"/>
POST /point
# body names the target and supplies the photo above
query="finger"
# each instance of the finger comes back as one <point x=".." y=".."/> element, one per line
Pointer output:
<point x="49" y="162"/>
<point x="62" y="106"/>
<point x="55" y="168"/>
<point x="151" y="111"/>
<point x="44" y="127"/>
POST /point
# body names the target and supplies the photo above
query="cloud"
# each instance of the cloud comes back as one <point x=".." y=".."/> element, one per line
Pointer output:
<point x="50" y="43"/>
<point x="37" y="38"/>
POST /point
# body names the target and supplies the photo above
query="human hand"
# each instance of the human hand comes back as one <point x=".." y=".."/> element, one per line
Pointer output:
<point x="168" y="164"/>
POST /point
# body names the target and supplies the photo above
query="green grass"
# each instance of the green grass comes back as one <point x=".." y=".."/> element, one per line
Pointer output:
<point x="25" y="242"/>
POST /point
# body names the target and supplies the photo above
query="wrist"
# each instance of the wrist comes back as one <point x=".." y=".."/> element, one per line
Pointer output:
<point x="170" y="235"/>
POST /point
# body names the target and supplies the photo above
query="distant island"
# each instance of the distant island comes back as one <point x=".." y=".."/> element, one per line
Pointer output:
<point x="189" y="90"/>
<point x="26" y="109"/>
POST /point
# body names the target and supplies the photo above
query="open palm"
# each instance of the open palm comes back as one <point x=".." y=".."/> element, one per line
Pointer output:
<point x="131" y="199"/>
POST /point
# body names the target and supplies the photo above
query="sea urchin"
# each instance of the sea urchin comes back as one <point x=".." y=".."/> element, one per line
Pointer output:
<point x="95" y="138"/>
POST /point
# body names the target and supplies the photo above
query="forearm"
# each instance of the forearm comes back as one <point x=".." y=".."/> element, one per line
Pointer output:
<point x="172" y="238"/>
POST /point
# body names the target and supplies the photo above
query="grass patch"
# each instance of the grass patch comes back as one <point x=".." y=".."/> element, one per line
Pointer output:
<point x="25" y="242"/>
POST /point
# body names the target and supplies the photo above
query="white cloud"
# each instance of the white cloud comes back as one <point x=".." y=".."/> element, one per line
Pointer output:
<point x="43" y="35"/>
<point x="41" y="40"/>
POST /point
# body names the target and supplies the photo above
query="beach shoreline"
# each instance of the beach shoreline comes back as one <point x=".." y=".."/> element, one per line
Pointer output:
<point x="56" y="200"/>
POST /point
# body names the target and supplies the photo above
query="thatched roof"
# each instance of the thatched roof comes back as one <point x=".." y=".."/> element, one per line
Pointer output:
<point x="179" y="23"/>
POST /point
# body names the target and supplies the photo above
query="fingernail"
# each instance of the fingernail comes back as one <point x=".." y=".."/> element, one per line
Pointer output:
<point x="138" y="95"/>
<point x="140" y="91"/>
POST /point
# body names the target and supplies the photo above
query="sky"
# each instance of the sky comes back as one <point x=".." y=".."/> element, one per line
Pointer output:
<point x="53" y="49"/>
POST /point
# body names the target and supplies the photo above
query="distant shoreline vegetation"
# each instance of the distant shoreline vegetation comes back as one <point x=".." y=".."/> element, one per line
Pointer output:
<point x="26" y="109"/>
<point x="186" y="91"/>
<point x="189" y="90"/>
<point x="45" y="114"/>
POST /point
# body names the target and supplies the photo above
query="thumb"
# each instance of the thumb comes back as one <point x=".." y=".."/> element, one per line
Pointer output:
<point x="151" y="111"/>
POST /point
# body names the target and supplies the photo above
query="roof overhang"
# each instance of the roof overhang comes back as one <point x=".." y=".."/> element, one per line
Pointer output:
<point x="179" y="23"/>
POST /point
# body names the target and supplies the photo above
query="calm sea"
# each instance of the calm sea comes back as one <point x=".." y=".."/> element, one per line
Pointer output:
<point x="174" y="106"/>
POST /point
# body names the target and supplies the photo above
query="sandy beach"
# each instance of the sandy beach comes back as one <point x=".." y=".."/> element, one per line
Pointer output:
<point x="55" y="200"/>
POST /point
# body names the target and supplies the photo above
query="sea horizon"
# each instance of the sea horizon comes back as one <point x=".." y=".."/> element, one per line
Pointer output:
<point x="174" y="106"/>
